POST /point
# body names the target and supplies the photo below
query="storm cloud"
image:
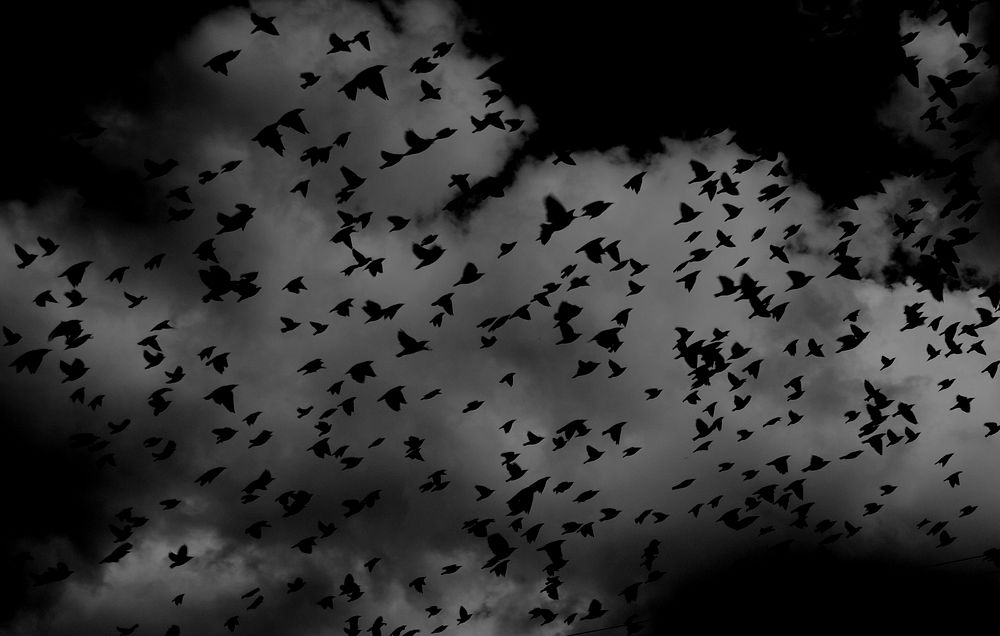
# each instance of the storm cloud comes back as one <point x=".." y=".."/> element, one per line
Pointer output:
<point x="795" y="257"/>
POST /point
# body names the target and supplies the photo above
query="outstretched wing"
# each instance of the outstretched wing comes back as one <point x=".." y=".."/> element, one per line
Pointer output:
<point x="377" y="86"/>
<point x="554" y="210"/>
<point x="406" y="341"/>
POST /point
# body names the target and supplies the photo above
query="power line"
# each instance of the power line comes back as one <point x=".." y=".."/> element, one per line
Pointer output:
<point x="968" y="558"/>
<point x="984" y="557"/>
<point x="603" y="629"/>
<point x="638" y="622"/>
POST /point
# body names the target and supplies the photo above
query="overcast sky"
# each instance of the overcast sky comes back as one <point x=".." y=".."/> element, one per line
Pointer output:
<point x="823" y="141"/>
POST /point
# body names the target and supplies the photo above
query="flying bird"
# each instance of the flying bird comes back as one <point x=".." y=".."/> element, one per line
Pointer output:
<point x="369" y="78"/>
<point x="219" y="62"/>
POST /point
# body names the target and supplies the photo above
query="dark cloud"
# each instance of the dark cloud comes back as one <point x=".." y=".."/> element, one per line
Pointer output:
<point x="805" y="79"/>
<point x="785" y="592"/>
<point x="52" y="493"/>
<point x="61" y="68"/>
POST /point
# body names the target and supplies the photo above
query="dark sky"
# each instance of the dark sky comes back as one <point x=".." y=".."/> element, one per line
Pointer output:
<point x="824" y="157"/>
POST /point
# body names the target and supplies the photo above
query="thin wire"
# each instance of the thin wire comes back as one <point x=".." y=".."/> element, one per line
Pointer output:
<point x="969" y="558"/>
<point x="637" y="622"/>
<point x="602" y="629"/>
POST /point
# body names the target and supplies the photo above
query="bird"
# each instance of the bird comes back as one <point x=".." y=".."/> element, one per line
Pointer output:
<point x="180" y="557"/>
<point x="557" y="218"/>
<point x="393" y="398"/>
<point x="308" y="79"/>
<point x="953" y="479"/>
<point x="220" y="62"/>
<point x="422" y="65"/>
<point x="798" y="279"/>
<point x="635" y="182"/>
<point x="74" y="274"/>
<point x="470" y="274"/>
<point x="370" y="78"/>
<point x="442" y="48"/>
<point x="816" y="463"/>
<point x="25" y="257"/>
<point x="731" y="519"/>
<point x="409" y="344"/>
<point x="223" y="396"/>
<point x="263" y="24"/>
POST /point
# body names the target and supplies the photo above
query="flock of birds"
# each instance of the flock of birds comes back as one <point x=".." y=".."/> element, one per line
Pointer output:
<point x="780" y="485"/>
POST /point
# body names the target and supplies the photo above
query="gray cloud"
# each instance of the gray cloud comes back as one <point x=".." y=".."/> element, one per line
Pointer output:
<point x="207" y="119"/>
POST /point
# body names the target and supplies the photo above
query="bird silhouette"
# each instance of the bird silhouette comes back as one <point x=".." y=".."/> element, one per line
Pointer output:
<point x="369" y="78"/>
<point x="220" y="62"/>
<point x="180" y="557"/>
<point x="264" y="25"/>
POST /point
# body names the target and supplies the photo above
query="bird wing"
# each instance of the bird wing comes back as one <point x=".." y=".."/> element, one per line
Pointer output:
<point x="406" y="341"/>
<point x="377" y="86"/>
<point x="555" y="212"/>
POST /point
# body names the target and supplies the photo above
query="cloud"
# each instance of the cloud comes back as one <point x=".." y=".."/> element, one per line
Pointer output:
<point x="204" y="120"/>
